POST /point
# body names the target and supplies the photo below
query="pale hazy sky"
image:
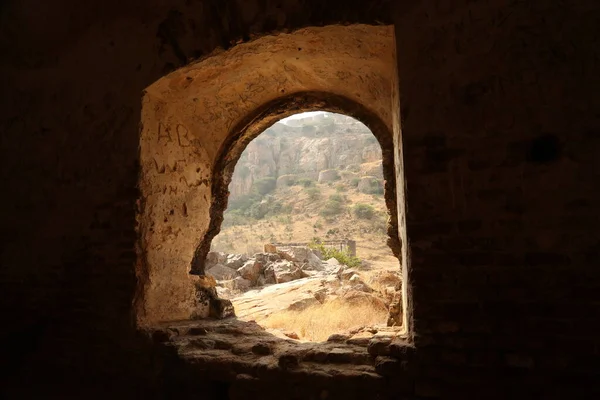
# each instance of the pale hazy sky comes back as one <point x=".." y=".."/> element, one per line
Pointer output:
<point x="301" y="115"/>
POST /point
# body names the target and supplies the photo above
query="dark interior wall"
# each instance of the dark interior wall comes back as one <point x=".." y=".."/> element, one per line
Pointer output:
<point x="500" y="112"/>
<point x="500" y="130"/>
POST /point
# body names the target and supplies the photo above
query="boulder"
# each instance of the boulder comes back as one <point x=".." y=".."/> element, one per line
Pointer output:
<point x="235" y="260"/>
<point x="268" y="276"/>
<point x="346" y="273"/>
<point x="237" y="284"/>
<point x="250" y="270"/>
<point x="270" y="248"/>
<point x="369" y="184"/>
<point x="303" y="255"/>
<point x="328" y="175"/>
<point x="221" y="272"/>
<point x="262" y="258"/>
<point x="214" y="258"/>
<point x="332" y="265"/>
<point x="286" y="271"/>
<point x="241" y="284"/>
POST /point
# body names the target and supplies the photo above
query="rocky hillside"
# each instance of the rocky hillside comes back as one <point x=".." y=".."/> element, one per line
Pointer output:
<point x="309" y="178"/>
<point x="305" y="148"/>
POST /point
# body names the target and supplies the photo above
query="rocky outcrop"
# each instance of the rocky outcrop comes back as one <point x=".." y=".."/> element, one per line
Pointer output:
<point x="236" y="272"/>
<point x="329" y="175"/>
<point x="369" y="185"/>
<point x="288" y="153"/>
<point x="295" y="278"/>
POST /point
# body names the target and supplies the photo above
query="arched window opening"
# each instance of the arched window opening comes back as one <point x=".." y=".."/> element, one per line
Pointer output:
<point x="302" y="248"/>
<point x="196" y="124"/>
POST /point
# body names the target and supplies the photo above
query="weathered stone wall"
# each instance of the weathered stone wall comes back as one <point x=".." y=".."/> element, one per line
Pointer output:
<point x="503" y="248"/>
<point x="502" y="194"/>
<point x="189" y="115"/>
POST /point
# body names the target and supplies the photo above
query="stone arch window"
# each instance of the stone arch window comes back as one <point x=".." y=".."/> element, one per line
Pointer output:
<point x="197" y="121"/>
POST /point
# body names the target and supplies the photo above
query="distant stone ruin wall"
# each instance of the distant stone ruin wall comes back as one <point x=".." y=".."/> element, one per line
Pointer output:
<point x="345" y="245"/>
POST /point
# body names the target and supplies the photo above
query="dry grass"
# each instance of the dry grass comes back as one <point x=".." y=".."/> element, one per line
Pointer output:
<point x="318" y="322"/>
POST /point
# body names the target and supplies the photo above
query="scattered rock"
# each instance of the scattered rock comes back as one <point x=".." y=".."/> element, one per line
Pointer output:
<point x="241" y="284"/>
<point x="221" y="272"/>
<point x="286" y="271"/>
<point x="270" y="248"/>
<point x="301" y="254"/>
<point x="250" y="270"/>
<point x="268" y="276"/>
<point x="214" y="258"/>
<point x="332" y="264"/>
<point x="291" y="335"/>
<point x="346" y="273"/>
<point x="235" y="261"/>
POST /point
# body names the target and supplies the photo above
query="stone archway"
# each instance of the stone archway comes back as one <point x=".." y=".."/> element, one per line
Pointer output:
<point x="197" y="120"/>
<point x="265" y="116"/>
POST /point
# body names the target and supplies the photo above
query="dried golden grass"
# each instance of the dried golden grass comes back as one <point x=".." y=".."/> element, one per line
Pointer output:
<point x="317" y="323"/>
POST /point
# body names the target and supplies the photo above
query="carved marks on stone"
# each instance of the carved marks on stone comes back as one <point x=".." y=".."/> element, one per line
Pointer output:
<point x="179" y="134"/>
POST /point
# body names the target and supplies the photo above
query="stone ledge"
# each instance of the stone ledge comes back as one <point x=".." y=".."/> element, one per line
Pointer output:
<point x="230" y="347"/>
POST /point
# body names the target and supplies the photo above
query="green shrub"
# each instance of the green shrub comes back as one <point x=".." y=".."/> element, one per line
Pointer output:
<point x="354" y="182"/>
<point x="313" y="193"/>
<point x="331" y="208"/>
<point x="342" y="256"/>
<point x="363" y="211"/>
<point x="337" y="197"/>
<point x="305" y="182"/>
<point x="340" y="188"/>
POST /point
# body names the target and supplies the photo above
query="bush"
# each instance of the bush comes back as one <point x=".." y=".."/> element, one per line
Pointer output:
<point x="313" y="193"/>
<point x="363" y="211"/>
<point x="331" y="208"/>
<point x="337" y="197"/>
<point x="305" y="182"/>
<point x="234" y="218"/>
<point x="265" y="185"/>
<point x="341" y="256"/>
<point x="354" y="182"/>
<point x="340" y="188"/>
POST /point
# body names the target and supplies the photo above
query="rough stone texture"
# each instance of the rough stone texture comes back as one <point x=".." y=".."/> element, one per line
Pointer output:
<point x="250" y="270"/>
<point x="301" y="254"/>
<point x="369" y="184"/>
<point x="329" y="175"/>
<point x="499" y="149"/>
<point x="195" y="127"/>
